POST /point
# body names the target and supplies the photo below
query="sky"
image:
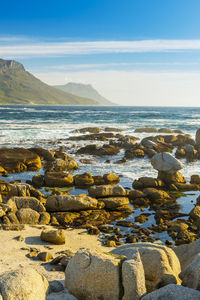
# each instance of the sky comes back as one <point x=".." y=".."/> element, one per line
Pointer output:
<point x="134" y="52"/>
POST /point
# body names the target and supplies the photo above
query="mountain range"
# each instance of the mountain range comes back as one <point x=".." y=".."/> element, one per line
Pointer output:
<point x="18" y="86"/>
<point x="84" y="90"/>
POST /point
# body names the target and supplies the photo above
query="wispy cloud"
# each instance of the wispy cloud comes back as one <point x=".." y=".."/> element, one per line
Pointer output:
<point x="51" y="49"/>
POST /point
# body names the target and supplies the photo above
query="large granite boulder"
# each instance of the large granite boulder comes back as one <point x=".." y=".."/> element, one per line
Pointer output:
<point x="93" y="276"/>
<point x="23" y="284"/>
<point x="16" y="160"/>
<point x="110" y="190"/>
<point x="113" y="203"/>
<point x="187" y="253"/>
<point x="165" y="162"/>
<point x="133" y="278"/>
<point x="27" y="216"/>
<point x="90" y="275"/>
<point x="173" y="292"/>
<point x="16" y="203"/>
<point x="161" y="265"/>
<point x="70" y="203"/>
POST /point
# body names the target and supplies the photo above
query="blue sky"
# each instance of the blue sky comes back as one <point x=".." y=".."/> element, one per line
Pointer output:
<point x="134" y="52"/>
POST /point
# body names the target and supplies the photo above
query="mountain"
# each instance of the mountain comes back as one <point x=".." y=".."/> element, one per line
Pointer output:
<point x="17" y="86"/>
<point x="84" y="90"/>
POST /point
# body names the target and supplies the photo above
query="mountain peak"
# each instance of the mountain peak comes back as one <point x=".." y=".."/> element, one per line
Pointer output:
<point x="9" y="65"/>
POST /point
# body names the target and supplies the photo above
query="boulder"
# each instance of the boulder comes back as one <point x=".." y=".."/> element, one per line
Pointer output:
<point x="38" y="181"/>
<point x="133" y="278"/>
<point x="195" y="179"/>
<point x="197" y="137"/>
<point x="191" y="274"/>
<point x="165" y="162"/>
<point x="155" y="194"/>
<point x="83" y="180"/>
<point x="134" y="153"/>
<point x="195" y="214"/>
<point x="58" y="179"/>
<point x="61" y="296"/>
<point x="146" y="129"/>
<point x="90" y="275"/>
<point x="25" y="202"/>
<point x="23" y="284"/>
<point x="111" y="178"/>
<point x="70" y="203"/>
<point x="53" y="236"/>
<point x="107" y="150"/>
<point x="161" y="265"/>
<point x="64" y="165"/>
<point x="109" y="190"/>
<point x="173" y="292"/>
<point x="146" y="182"/>
<point x="27" y="216"/>
<point x="16" y="160"/>
<point x="186" y="253"/>
<point x="45" y="154"/>
<point x="170" y="178"/>
<point x="113" y="203"/>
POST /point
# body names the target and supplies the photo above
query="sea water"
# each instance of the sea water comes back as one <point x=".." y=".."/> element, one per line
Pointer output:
<point x="51" y="126"/>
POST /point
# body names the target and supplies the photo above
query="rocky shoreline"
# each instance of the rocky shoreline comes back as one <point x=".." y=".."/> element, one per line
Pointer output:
<point x="103" y="210"/>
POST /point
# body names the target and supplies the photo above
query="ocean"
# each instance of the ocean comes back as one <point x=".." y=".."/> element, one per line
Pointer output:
<point x="51" y="126"/>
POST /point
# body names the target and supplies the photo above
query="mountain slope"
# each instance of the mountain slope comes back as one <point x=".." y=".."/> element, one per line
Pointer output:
<point x="17" y="86"/>
<point x="84" y="90"/>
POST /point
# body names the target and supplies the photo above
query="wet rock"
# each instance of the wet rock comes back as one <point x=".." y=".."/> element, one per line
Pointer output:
<point x="24" y="283"/>
<point x="195" y="214"/>
<point x="99" y="180"/>
<point x="53" y="236"/>
<point x="165" y="130"/>
<point x="146" y="182"/>
<point x="154" y="194"/>
<point x="58" y="179"/>
<point x="88" y="149"/>
<point x="83" y="180"/>
<point x="38" y="181"/>
<point x="88" y="129"/>
<point x="141" y="218"/>
<point x="64" y="165"/>
<point x="173" y="291"/>
<point x="171" y="177"/>
<point x="28" y="216"/>
<point x="107" y="150"/>
<point x="146" y="130"/>
<point x="114" y="202"/>
<point x="107" y="191"/>
<point x="136" y="194"/>
<point x="15" y="160"/>
<point x="43" y="153"/>
<point x="70" y="203"/>
<point x="111" y="178"/>
<point x="195" y="179"/>
<point x="134" y="153"/>
<point x="64" y="218"/>
<point x="197" y="137"/>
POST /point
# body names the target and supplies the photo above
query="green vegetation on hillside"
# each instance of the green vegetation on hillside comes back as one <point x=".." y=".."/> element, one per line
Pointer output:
<point x="17" y="86"/>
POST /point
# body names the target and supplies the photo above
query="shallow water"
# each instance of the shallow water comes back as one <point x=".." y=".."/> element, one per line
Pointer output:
<point x="41" y="125"/>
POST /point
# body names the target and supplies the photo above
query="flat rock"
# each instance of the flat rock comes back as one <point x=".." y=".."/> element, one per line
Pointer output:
<point x="70" y="203"/>
<point x="107" y="191"/>
<point x="16" y="160"/>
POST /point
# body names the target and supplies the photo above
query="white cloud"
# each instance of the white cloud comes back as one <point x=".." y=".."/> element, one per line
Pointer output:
<point x="37" y="49"/>
<point x="137" y="88"/>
